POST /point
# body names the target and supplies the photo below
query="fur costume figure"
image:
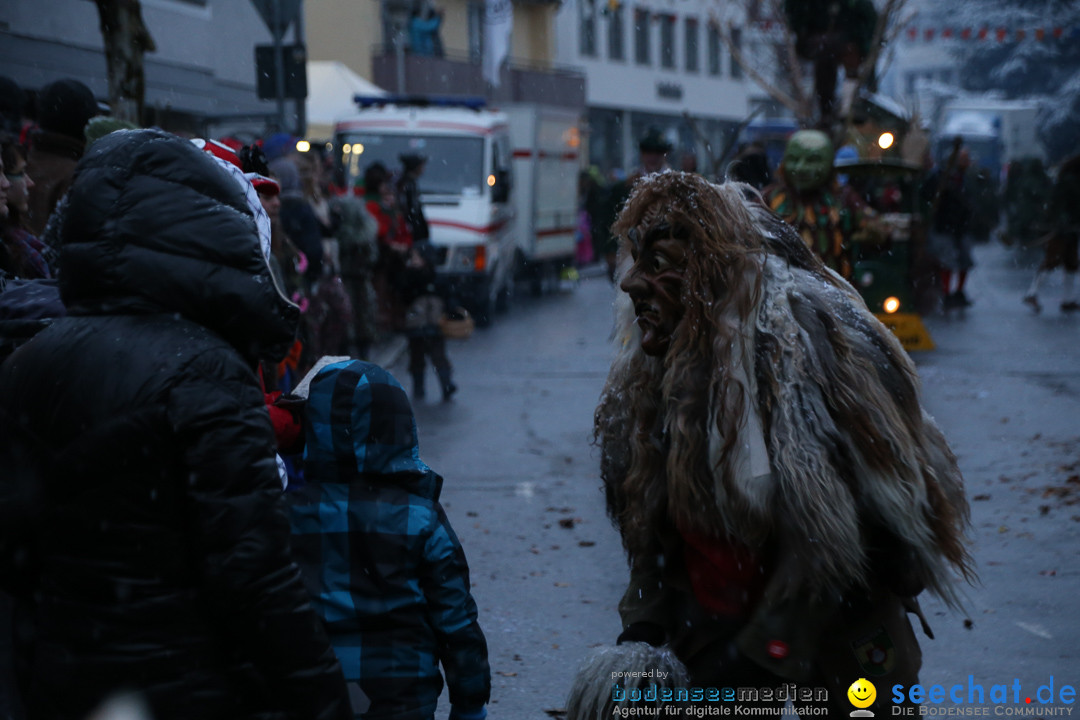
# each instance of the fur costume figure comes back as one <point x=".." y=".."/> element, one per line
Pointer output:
<point x="780" y="492"/>
<point x="620" y="676"/>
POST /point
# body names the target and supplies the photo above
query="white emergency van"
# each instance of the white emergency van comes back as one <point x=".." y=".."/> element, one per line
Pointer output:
<point x="465" y="188"/>
<point x="547" y="161"/>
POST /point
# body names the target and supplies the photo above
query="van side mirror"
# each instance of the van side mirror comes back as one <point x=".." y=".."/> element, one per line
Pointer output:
<point x="500" y="192"/>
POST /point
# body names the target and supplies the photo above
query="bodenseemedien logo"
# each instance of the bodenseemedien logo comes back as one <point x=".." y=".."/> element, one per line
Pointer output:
<point x="862" y="695"/>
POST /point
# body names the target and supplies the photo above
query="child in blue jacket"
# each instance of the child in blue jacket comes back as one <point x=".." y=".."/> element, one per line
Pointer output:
<point x="382" y="564"/>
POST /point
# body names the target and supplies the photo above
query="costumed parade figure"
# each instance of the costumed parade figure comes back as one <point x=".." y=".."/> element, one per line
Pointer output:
<point x="806" y="198"/>
<point x="780" y="492"/>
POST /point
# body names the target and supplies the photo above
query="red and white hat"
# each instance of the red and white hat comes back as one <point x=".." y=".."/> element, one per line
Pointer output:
<point x="263" y="185"/>
<point x="218" y="150"/>
<point x="228" y="160"/>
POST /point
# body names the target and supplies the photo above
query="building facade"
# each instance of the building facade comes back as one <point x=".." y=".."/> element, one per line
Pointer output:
<point x="654" y="63"/>
<point x="200" y="80"/>
<point x="922" y="71"/>
<point x="371" y="37"/>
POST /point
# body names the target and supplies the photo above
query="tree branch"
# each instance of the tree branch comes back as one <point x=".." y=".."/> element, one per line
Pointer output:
<point x="890" y="10"/>
<point x="792" y="63"/>
<point x="785" y="99"/>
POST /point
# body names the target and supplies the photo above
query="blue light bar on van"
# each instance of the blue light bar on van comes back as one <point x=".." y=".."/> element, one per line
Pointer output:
<point x="471" y="103"/>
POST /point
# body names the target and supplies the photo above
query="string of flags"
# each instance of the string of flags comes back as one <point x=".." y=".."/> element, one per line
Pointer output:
<point x="999" y="34"/>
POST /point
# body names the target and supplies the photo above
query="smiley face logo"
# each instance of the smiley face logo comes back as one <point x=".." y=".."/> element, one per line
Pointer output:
<point x="862" y="693"/>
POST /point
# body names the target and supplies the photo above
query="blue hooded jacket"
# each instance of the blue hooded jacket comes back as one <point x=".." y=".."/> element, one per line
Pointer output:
<point x="378" y="555"/>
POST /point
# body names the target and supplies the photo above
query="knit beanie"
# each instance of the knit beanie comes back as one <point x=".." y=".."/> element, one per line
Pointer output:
<point x="278" y="145"/>
<point x="287" y="175"/>
<point x="102" y="125"/>
<point x="65" y="107"/>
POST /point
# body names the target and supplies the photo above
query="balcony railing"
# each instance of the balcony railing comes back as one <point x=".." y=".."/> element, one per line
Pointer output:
<point x="460" y="75"/>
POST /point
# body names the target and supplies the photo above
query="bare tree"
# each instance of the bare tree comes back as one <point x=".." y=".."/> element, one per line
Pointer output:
<point x="127" y="40"/>
<point x="890" y="22"/>
<point x="776" y="62"/>
<point x="771" y="61"/>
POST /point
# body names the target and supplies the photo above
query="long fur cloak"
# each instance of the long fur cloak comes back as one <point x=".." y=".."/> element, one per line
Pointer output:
<point x="784" y="417"/>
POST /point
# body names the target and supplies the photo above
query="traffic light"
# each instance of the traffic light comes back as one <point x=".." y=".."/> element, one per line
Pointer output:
<point x="294" y="60"/>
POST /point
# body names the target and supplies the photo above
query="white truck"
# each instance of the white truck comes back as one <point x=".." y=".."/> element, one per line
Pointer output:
<point x="996" y="132"/>
<point x="465" y="188"/>
<point x="499" y="189"/>
<point x="546" y="150"/>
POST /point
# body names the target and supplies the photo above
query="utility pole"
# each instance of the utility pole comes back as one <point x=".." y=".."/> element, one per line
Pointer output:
<point x="301" y="102"/>
<point x="272" y="60"/>
<point x="396" y="20"/>
<point x="278" y="31"/>
<point x="399" y="55"/>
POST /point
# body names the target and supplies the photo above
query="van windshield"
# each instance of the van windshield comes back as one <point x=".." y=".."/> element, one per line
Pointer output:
<point x="455" y="165"/>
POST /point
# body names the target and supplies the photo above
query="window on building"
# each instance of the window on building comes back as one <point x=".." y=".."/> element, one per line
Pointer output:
<point x="588" y="28"/>
<point x="736" y="44"/>
<point x="615" y="31"/>
<point x="667" y="41"/>
<point x="691" y="44"/>
<point x="476" y="30"/>
<point x="714" y="49"/>
<point x="642" y="52"/>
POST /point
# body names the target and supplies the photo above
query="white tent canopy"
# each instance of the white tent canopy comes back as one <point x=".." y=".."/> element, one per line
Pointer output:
<point x="331" y="87"/>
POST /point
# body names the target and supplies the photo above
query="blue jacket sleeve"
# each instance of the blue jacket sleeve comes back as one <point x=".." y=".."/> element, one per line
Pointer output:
<point x="462" y="646"/>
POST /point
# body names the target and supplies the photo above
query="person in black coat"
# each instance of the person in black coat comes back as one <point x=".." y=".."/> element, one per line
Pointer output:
<point x="412" y="166"/>
<point x="142" y="525"/>
<point x="298" y="220"/>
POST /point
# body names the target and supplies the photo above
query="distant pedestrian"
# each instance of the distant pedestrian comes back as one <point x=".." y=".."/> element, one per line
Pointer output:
<point x="394" y="242"/>
<point x="298" y="219"/>
<point x="64" y="108"/>
<point x="425" y="308"/>
<point x="653" y="149"/>
<point x="1063" y="218"/>
<point x="688" y="162"/>
<point x="143" y="527"/>
<point x="1027" y="191"/>
<point x="358" y="251"/>
<point x="751" y="166"/>
<point x="424" y="27"/>
<point x="947" y="208"/>
<point x="412" y="167"/>
<point x="378" y="554"/>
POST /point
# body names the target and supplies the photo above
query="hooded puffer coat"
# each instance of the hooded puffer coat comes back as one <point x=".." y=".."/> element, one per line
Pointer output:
<point x="144" y="529"/>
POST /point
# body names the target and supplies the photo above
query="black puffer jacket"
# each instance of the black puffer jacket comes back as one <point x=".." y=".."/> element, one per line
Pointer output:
<point x="144" y="527"/>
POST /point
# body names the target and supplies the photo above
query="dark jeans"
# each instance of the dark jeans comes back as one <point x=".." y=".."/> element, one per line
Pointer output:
<point x="422" y="347"/>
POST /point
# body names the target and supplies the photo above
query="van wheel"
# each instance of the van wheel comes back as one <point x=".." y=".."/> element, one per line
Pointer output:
<point x="485" y="306"/>
<point x="483" y="317"/>
<point x="502" y="299"/>
<point x="536" y="282"/>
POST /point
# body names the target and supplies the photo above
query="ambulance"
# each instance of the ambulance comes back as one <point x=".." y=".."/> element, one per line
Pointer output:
<point x="499" y="189"/>
<point x="465" y="187"/>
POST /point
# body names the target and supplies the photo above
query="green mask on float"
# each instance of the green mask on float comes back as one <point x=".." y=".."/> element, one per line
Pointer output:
<point x="808" y="159"/>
